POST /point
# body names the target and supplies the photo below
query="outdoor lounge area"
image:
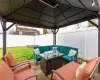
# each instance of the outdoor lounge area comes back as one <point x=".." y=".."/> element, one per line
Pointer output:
<point x="54" y="61"/>
<point x="28" y="70"/>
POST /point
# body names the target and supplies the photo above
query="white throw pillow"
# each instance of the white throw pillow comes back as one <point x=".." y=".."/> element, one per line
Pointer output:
<point x="79" y="69"/>
<point x="37" y="51"/>
<point x="72" y="52"/>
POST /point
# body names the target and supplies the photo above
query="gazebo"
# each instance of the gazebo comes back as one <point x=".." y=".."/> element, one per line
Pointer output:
<point x="49" y="14"/>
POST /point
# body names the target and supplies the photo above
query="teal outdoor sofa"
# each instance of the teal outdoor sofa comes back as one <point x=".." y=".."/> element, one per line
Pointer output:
<point x="62" y="49"/>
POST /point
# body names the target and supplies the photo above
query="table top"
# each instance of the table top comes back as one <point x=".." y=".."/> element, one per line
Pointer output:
<point x="47" y="55"/>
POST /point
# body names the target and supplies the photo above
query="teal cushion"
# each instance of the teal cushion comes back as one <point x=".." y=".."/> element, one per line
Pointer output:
<point x="63" y="49"/>
<point x="37" y="57"/>
<point x="68" y="58"/>
<point x="41" y="49"/>
<point x="46" y="48"/>
<point x="50" y="47"/>
<point x="58" y="48"/>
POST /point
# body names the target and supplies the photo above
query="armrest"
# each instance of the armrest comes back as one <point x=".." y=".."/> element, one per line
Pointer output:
<point x="15" y="67"/>
<point x="53" y="71"/>
<point x="21" y="57"/>
<point x="26" y="61"/>
<point x="31" y="77"/>
<point x="22" y="62"/>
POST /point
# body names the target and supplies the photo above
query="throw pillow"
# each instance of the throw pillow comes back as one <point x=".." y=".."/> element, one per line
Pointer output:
<point x="72" y="52"/>
<point x="79" y="69"/>
<point x="37" y="51"/>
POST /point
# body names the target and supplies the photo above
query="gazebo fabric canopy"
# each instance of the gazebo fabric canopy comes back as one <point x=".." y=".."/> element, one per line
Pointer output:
<point x="36" y="14"/>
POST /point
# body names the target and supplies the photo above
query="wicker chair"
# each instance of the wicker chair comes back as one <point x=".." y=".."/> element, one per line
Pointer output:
<point x="16" y="67"/>
<point x="67" y="72"/>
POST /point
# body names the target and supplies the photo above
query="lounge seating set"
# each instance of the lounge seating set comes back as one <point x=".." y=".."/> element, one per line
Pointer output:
<point x="10" y="70"/>
<point x="62" y="49"/>
<point x="72" y="70"/>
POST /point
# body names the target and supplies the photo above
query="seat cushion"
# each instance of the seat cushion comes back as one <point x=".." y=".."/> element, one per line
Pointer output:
<point x="87" y="70"/>
<point x="21" y="68"/>
<point x="67" y="71"/>
<point x="68" y="58"/>
<point x="9" y="59"/>
<point x="5" y="72"/>
<point x="24" y="74"/>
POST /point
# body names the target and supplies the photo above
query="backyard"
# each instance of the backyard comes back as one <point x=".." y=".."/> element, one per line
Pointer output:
<point x="20" y="51"/>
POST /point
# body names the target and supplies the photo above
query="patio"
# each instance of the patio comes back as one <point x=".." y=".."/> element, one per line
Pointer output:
<point x="42" y="76"/>
<point x="53" y="14"/>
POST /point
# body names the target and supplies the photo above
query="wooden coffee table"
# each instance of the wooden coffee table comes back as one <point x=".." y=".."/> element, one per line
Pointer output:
<point x="50" y="61"/>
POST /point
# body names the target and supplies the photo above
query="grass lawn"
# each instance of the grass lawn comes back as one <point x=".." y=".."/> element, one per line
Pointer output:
<point x="20" y="51"/>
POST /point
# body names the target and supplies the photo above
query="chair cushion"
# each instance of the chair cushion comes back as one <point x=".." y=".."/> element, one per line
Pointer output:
<point x="9" y="59"/>
<point x="21" y="68"/>
<point x="5" y="72"/>
<point x="87" y="70"/>
<point x="67" y="71"/>
<point x="24" y="74"/>
<point x="68" y="58"/>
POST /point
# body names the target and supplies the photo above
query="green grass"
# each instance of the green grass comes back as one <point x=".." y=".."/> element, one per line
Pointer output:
<point x="20" y="51"/>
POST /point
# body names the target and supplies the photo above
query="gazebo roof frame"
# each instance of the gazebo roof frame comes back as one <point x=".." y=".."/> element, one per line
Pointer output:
<point x="44" y="22"/>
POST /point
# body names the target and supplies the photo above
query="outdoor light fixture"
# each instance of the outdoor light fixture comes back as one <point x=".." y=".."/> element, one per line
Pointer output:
<point x="96" y="3"/>
<point x="51" y="3"/>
